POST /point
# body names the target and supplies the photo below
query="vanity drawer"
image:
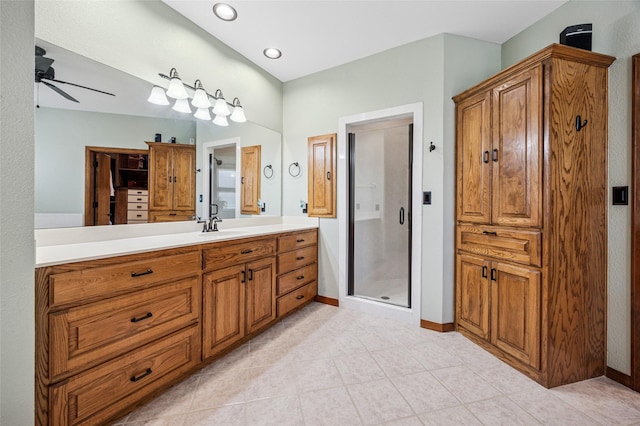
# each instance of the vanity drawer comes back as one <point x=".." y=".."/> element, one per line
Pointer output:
<point x="170" y="215"/>
<point x="227" y="254"/>
<point x="137" y="198"/>
<point x="137" y="207"/>
<point x="137" y="215"/>
<point x="97" y="395"/>
<point x="300" y="239"/>
<point x="85" y="335"/>
<point x="92" y="283"/>
<point x="297" y="278"/>
<point x="297" y="298"/>
<point x="296" y="259"/>
<point x="520" y="246"/>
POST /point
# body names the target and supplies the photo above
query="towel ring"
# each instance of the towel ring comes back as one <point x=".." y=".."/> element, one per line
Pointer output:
<point x="268" y="171"/>
<point x="295" y="166"/>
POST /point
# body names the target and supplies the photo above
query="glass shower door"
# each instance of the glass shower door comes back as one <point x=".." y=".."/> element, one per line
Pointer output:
<point x="380" y="214"/>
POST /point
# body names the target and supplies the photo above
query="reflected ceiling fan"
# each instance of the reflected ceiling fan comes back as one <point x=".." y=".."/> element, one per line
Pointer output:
<point x="45" y="73"/>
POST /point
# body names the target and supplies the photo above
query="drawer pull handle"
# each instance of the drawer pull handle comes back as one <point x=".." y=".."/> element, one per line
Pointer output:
<point x="250" y="274"/>
<point x="301" y="240"/>
<point x="247" y="251"/>
<point x="142" y="376"/>
<point x="493" y="274"/>
<point x="489" y="232"/>
<point x="172" y="214"/>
<point x="299" y="257"/>
<point x="301" y="277"/>
<point x="139" y="274"/>
<point x="244" y="277"/>
<point x="300" y="297"/>
<point x="484" y="271"/>
<point x="148" y="315"/>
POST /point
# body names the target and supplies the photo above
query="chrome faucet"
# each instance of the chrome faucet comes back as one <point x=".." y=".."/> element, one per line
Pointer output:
<point x="204" y="222"/>
<point x="213" y="223"/>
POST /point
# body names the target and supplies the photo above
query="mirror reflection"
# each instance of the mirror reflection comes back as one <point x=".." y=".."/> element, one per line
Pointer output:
<point x="70" y="134"/>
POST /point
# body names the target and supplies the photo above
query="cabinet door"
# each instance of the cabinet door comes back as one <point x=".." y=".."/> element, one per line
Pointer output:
<point x="250" y="179"/>
<point x="223" y="309"/>
<point x="472" y="294"/>
<point x="160" y="178"/>
<point x="516" y="153"/>
<point x="184" y="178"/>
<point x="322" y="179"/>
<point x="515" y="312"/>
<point x="473" y="179"/>
<point x="261" y="293"/>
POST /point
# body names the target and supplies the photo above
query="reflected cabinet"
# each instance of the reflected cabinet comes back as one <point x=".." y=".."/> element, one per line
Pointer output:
<point x="172" y="182"/>
<point x="531" y="211"/>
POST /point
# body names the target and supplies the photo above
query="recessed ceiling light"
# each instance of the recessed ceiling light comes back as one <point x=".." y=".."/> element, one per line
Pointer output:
<point x="225" y="12"/>
<point x="272" y="53"/>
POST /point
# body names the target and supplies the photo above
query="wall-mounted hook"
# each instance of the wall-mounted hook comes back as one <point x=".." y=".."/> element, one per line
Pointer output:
<point x="579" y="123"/>
<point x="198" y="170"/>
<point x="431" y="146"/>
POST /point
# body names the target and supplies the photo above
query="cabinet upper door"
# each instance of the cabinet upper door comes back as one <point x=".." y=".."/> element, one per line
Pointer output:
<point x="261" y="293"/>
<point x="184" y="178"/>
<point x="250" y="179"/>
<point x="322" y="178"/>
<point x="473" y="178"/>
<point x="160" y="178"/>
<point x="516" y="154"/>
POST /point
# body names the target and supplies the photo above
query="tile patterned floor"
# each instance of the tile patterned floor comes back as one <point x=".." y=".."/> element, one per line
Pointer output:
<point x="332" y="366"/>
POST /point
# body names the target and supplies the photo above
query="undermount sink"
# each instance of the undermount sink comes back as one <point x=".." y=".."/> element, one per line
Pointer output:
<point x="222" y="233"/>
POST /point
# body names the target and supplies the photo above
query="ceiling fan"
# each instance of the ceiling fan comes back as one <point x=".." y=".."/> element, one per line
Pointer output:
<point x="44" y="71"/>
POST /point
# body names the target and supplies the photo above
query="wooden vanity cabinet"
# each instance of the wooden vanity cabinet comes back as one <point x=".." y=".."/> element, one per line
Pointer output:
<point x="111" y="332"/>
<point x="531" y="211"/>
<point x="297" y="267"/>
<point x="172" y="182"/>
<point x="239" y="296"/>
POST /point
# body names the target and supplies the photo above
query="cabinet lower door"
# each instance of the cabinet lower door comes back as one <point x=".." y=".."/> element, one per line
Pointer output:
<point x="472" y="294"/>
<point x="223" y="309"/>
<point x="261" y="293"/>
<point x="515" y="312"/>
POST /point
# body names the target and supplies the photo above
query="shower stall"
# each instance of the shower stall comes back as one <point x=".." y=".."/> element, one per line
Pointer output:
<point x="379" y="204"/>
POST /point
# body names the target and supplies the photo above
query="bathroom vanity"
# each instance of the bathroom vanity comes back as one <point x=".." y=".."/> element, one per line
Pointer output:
<point x="120" y="320"/>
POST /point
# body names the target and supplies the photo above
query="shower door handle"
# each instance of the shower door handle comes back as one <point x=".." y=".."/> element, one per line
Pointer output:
<point x="401" y="215"/>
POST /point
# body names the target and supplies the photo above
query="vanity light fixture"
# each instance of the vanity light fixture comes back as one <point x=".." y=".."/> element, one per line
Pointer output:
<point x="272" y="53"/>
<point x="158" y="96"/>
<point x="221" y="120"/>
<point x="200" y="98"/>
<point x="225" y="12"/>
<point x="220" y="107"/>
<point x="202" y="114"/>
<point x="238" y="113"/>
<point x="176" y="87"/>
<point x="201" y="101"/>
<point x="182" y="105"/>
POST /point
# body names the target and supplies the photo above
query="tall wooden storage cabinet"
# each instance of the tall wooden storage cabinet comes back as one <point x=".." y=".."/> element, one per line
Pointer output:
<point x="531" y="211"/>
<point x="250" y="179"/>
<point x="321" y="152"/>
<point x="172" y="182"/>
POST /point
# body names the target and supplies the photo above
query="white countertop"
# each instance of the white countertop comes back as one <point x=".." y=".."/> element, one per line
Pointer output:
<point x="55" y="247"/>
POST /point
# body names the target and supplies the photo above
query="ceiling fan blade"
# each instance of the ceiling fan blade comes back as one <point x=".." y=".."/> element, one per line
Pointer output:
<point x="83" y="87"/>
<point x="60" y="91"/>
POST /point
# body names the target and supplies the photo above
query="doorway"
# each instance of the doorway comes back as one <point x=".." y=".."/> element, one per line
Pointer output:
<point x="379" y="212"/>
<point x="380" y="165"/>
<point x="221" y="178"/>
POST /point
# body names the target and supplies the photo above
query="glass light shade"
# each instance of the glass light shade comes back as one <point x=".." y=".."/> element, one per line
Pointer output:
<point x="221" y="120"/>
<point x="176" y="89"/>
<point x="158" y="96"/>
<point x="182" y="105"/>
<point x="221" y="108"/>
<point x="202" y="114"/>
<point x="238" y="115"/>
<point x="201" y="99"/>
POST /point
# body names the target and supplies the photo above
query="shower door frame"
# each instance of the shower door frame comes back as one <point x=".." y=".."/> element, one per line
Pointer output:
<point x="411" y="314"/>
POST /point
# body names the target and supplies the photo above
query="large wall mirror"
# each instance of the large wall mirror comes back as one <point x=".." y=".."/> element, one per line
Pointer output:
<point x="64" y="130"/>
